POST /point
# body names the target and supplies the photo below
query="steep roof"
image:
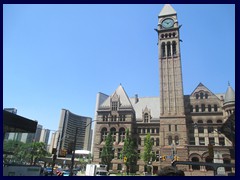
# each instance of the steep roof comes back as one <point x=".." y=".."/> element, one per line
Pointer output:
<point x="167" y="10"/>
<point x="152" y="103"/>
<point x="229" y="95"/>
<point x="121" y="95"/>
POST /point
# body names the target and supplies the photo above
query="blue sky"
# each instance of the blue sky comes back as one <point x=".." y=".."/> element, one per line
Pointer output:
<point x="61" y="56"/>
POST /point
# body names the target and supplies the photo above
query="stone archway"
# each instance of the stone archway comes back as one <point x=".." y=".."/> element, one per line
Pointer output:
<point x="195" y="167"/>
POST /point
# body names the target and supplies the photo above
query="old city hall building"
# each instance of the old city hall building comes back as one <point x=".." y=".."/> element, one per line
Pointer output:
<point x="181" y="125"/>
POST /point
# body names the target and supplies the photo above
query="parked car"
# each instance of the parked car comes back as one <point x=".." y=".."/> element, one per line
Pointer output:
<point x="47" y="171"/>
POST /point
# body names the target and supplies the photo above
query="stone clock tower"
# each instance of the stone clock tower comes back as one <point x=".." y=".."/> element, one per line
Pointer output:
<point x="173" y="135"/>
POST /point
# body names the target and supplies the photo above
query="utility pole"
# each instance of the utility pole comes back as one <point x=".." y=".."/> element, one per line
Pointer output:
<point x="73" y="152"/>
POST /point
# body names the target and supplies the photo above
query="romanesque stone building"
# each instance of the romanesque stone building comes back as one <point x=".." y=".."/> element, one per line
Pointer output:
<point x="181" y="125"/>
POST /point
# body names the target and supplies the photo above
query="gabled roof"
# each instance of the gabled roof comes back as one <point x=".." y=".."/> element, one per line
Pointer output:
<point x="121" y="95"/>
<point x="167" y="10"/>
<point x="201" y="87"/>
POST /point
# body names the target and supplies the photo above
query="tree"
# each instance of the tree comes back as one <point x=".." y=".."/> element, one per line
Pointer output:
<point x="25" y="152"/>
<point x="148" y="154"/>
<point x="108" y="151"/>
<point x="129" y="152"/>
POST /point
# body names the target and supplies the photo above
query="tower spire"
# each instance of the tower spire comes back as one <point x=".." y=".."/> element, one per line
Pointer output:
<point x="167" y="10"/>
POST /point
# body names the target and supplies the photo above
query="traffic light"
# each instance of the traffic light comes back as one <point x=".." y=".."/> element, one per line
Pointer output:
<point x="125" y="159"/>
<point x="163" y="158"/>
<point x="210" y="150"/>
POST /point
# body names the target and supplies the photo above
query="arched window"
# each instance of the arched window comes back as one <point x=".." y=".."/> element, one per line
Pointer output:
<point x="146" y="117"/>
<point x="219" y="121"/>
<point x="209" y="108"/>
<point x="203" y="107"/>
<point x="176" y="139"/>
<point x="152" y="140"/>
<point x="168" y="49"/>
<point x="197" y="96"/>
<point x="103" y="134"/>
<point x="163" y="50"/>
<point x="206" y="96"/>
<point x="169" y="140"/>
<point x="157" y="141"/>
<point x="200" y="127"/>
<point x="121" y="134"/>
<point x="215" y="108"/>
<point x="174" y="49"/>
<point x="113" y="132"/>
<point x="201" y="95"/>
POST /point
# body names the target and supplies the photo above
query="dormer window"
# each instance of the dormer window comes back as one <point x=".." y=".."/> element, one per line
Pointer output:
<point x="146" y="117"/>
<point x="114" y="106"/>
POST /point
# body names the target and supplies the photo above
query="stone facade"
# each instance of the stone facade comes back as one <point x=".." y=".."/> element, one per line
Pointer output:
<point x="181" y="125"/>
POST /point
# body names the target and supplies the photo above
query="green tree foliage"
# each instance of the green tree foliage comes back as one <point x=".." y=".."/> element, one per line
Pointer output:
<point x="148" y="155"/>
<point x="108" y="151"/>
<point x="24" y="153"/>
<point x="130" y="152"/>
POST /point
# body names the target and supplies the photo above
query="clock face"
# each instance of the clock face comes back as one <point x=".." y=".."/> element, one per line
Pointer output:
<point x="167" y="23"/>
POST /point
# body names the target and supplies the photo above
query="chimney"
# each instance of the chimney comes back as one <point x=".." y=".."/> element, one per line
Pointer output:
<point x="136" y="98"/>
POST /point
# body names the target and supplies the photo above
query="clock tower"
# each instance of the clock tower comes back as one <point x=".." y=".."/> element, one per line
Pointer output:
<point x="173" y="135"/>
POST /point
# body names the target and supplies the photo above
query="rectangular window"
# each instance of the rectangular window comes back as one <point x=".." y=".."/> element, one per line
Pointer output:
<point x="192" y="141"/>
<point x="157" y="130"/>
<point x="203" y="107"/>
<point x="152" y="130"/>
<point x="139" y="154"/>
<point x="169" y="127"/>
<point x="114" y="105"/>
<point x="221" y="141"/>
<point x="211" y="140"/>
<point x="139" y="130"/>
<point x="175" y="127"/>
<point x="201" y="141"/>
<point x="119" y="153"/>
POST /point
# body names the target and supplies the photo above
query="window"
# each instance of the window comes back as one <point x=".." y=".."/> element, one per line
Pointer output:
<point x="221" y="141"/>
<point x="201" y="95"/>
<point x="176" y="128"/>
<point x="168" y="49"/>
<point x="191" y="108"/>
<point x="114" y="105"/>
<point x="139" y="141"/>
<point x="139" y="154"/>
<point x="169" y="140"/>
<point x="157" y="130"/>
<point x="197" y="108"/>
<point x="176" y="140"/>
<point x="153" y="130"/>
<point x="206" y="96"/>
<point x="157" y="141"/>
<point x="103" y="134"/>
<point x="219" y="121"/>
<point x="100" y="152"/>
<point x="119" y="167"/>
<point x="139" y="130"/>
<point x="200" y="130"/>
<point x="211" y="140"/>
<point x="152" y="141"/>
<point x="174" y="48"/>
<point x="121" y="134"/>
<point x="209" y="108"/>
<point x="197" y="96"/>
<point x="215" y="108"/>
<point x="113" y="132"/>
<point x="192" y="141"/>
<point x="203" y="107"/>
<point x="201" y="141"/>
<point x="210" y="129"/>
<point x="163" y="50"/>
<point x="146" y="117"/>
<point x="169" y="127"/>
<point x="143" y="130"/>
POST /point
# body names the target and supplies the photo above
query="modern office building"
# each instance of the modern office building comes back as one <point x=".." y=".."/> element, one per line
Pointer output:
<point x="71" y="126"/>
<point x="44" y="137"/>
<point x="180" y="125"/>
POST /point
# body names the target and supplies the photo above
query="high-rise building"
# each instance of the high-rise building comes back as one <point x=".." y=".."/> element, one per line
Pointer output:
<point x="44" y="137"/>
<point x="180" y="125"/>
<point x="72" y="125"/>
